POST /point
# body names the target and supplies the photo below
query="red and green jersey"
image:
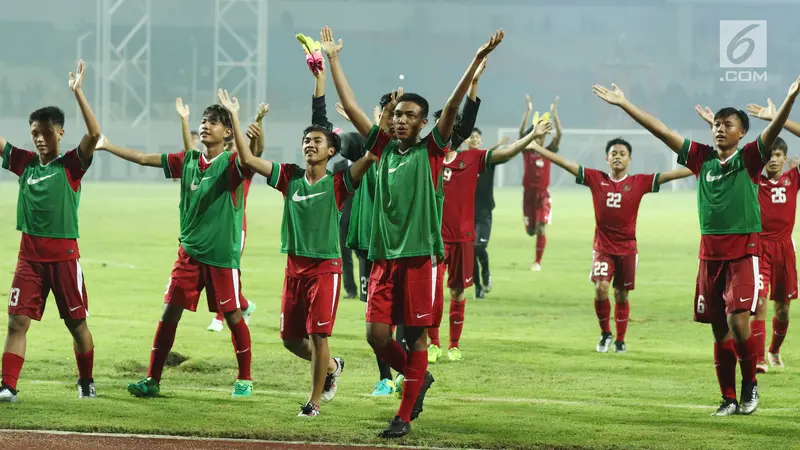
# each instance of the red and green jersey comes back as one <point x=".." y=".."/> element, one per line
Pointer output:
<point x="407" y="215"/>
<point x="460" y="177"/>
<point x="727" y="198"/>
<point x="212" y="205"/>
<point x="311" y="212"/>
<point x="359" y="233"/>
<point x="47" y="203"/>
<point x="778" y="200"/>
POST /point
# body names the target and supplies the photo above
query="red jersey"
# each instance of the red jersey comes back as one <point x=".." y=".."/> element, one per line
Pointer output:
<point x="778" y="200"/>
<point x="536" y="176"/>
<point x="616" y="206"/>
<point x="460" y="182"/>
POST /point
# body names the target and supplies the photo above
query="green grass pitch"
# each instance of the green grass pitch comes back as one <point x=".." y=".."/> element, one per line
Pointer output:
<point x="530" y="377"/>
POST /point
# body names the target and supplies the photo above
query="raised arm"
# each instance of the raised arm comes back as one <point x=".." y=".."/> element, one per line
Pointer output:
<point x="556" y="124"/>
<point x="555" y="158"/>
<point x="92" y="136"/>
<point x="246" y="157"/>
<point x="768" y="113"/>
<point x="776" y="125"/>
<point x="186" y="132"/>
<point x="134" y="156"/>
<point x="506" y="153"/>
<point x="526" y="116"/>
<point x="257" y="145"/>
<point x="357" y="116"/>
<point x="503" y="142"/>
<point x="677" y="174"/>
<point x="706" y="114"/>
<point x="445" y="123"/>
<point x="615" y="96"/>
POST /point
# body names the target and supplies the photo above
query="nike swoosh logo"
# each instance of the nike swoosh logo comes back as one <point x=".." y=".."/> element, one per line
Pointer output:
<point x="323" y="323"/>
<point x="226" y="301"/>
<point x="394" y="169"/>
<point x="243" y="351"/>
<point x="32" y="181"/>
<point x="299" y="198"/>
<point x="468" y="280"/>
<point x="194" y="186"/>
<point x="744" y="299"/>
<point x="421" y="316"/>
<point x="628" y="284"/>
<point x="604" y="184"/>
<point x="711" y="178"/>
<point x="73" y="309"/>
<point x="484" y="240"/>
<point x="457" y="322"/>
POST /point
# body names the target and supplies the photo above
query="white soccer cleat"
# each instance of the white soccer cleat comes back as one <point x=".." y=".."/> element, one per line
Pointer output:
<point x="775" y="360"/>
<point x="604" y="343"/>
<point x="332" y="381"/>
<point x="536" y="267"/>
<point x="216" y="325"/>
<point x="7" y="396"/>
<point x="762" y="367"/>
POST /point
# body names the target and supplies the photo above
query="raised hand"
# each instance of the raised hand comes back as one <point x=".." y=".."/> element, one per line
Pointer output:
<point x="227" y="102"/>
<point x="183" y="110"/>
<point x="479" y="72"/>
<point x="613" y="96"/>
<point x="553" y="106"/>
<point x="488" y="47"/>
<point x="705" y="113"/>
<point x="376" y="114"/>
<point x="762" y="112"/>
<point x="329" y="47"/>
<point x="263" y="109"/>
<point x="393" y="102"/>
<point x="529" y="102"/>
<point x="340" y="110"/>
<point x="253" y="130"/>
<point x="795" y="88"/>
<point x="76" y="79"/>
<point x="102" y="143"/>
<point x="542" y="128"/>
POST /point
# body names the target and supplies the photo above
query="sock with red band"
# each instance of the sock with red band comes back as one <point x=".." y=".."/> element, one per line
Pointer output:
<point x="725" y="364"/>
<point x="85" y="364"/>
<point x="603" y="310"/>
<point x="541" y="242"/>
<point x="12" y="366"/>
<point x="456" y="321"/>
<point x="779" y="328"/>
<point x="240" y="335"/>
<point x="414" y="379"/>
<point x="621" y="313"/>
<point x="162" y="344"/>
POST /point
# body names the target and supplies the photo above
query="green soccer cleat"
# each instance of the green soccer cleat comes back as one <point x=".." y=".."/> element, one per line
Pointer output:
<point x="398" y="385"/>
<point x="251" y="308"/>
<point x="383" y="388"/>
<point x="242" y="388"/>
<point x="454" y="354"/>
<point x="145" y="388"/>
<point x="434" y="354"/>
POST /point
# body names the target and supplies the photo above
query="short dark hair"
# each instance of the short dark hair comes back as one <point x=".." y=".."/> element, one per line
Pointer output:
<point x="438" y="114"/>
<point x="729" y="111"/>
<point x="417" y="99"/>
<point x="619" y="141"/>
<point x="219" y="113"/>
<point x="780" y="144"/>
<point x="52" y="114"/>
<point x="333" y="139"/>
<point x="385" y="99"/>
<point x="477" y="130"/>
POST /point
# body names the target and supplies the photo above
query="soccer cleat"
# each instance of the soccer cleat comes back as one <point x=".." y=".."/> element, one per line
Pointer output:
<point x="775" y="360"/>
<point x="383" y="388"/>
<point x="309" y="410"/>
<point x="762" y="367"/>
<point x="216" y="325"/>
<point x="536" y="267"/>
<point x="146" y="387"/>
<point x="398" y="385"/>
<point x="454" y="354"/>
<point x="619" y="346"/>
<point x="396" y="429"/>
<point x="415" y="412"/>
<point x="479" y="293"/>
<point x="242" y="388"/>
<point x="605" y="342"/>
<point x="749" y="401"/>
<point x="7" y="394"/>
<point x="728" y="407"/>
<point x="332" y="381"/>
<point x="251" y="308"/>
<point x="434" y="354"/>
<point x="86" y="389"/>
<point x="488" y="284"/>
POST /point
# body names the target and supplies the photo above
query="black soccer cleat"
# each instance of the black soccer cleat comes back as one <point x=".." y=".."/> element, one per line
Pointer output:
<point x="421" y="399"/>
<point x="619" y="346"/>
<point x="728" y="407"/>
<point x="86" y="388"/>
<point x="749" y="401"/>
<point x="479" y="293"/>
<point x="396" y="429"/>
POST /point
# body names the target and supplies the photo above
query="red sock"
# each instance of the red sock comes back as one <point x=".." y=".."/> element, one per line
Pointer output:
<point x="725" y="364"/>
<point x="746" y="352"/>
<point x="433" y="335"/>
<point x="85" y="364"/>
<point x="541" y="241"/>
<point x="456" y="321"/>
<point x="162" y="344"/>
<point x="12" y="366"/>
<point x="758" y="332"/>
<point x="621" y="313"/>
<point x="240" y="336"/>
<point x="603" y="310"/>
<point x="394" y="355"/>
<point x="779" y="328"/>
<point x="220" y="316"/>
<point x="414" y="378"/>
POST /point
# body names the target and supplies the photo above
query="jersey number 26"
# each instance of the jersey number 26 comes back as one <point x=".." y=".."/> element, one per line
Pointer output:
<point x="779" y="195"/>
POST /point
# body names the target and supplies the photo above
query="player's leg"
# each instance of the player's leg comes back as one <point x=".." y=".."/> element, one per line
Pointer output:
<point x="383" y="288"/>
<point x="785" y="291"/>
<point x="385" y="385"/>
<point x="780" y="325"/>
<point x="323" y="299"/>
<point x="765" y="280"/>
<point x="482" y="274"/>
<point x="349" y="281"/>
<point x="542" y="220"/>
<point x="529" y="210"/>
<point x="453" y="265"/>
<point x="600" y="275"/>
<point x="458" y="301"/>
<point x="624" y="282"/>
<point x="741" y="299"/>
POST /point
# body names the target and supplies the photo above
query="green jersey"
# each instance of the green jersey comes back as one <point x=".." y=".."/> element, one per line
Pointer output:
<point x="407" y="215"/>
<point x="211" y="207"/>
<point x="311" y="212"/>
<point x="360" y="230"/>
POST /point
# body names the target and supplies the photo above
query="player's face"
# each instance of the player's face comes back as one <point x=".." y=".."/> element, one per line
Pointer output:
<point x="316" y="149"/>
<point x="728" y="132"/>
<point x="475" y="140"/>
<point x="212" y="131"/>
<point x="776" y="161"/>
<point x="618" y="157"/>
<point x="408" y="120"/>
<point x="45" y="137"/>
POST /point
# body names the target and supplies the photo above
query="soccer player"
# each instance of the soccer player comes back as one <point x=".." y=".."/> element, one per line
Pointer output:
<point x="730" y="220"/>
<point x="535" y="183"/>
<point x="313" y="201"/>
<point x="616" y="197"/>
<point x="47" y="216"/>
<point x="212" y="212"/>
<point x="460" y="175"/>
<point x="406" y="243"/>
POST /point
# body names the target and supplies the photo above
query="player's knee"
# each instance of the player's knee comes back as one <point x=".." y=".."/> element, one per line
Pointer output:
<point x="457" y="294"/>
<point x="319" y="340"/>
<point x="172" y="314"/>
<point x="234" y="317"/>
<point x="292" y="345"/>
<point x="601" y="290"/>
<point x="378" y="336"/>
<point x="540" y="229"/>
<point x="761" y="307"/>
<point x="782" y="311"/>
<point x="76" y="325"/>
<point x="18" y="324"/>
<point x="620" y="296"/>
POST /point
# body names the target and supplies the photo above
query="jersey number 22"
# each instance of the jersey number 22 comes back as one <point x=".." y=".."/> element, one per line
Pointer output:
<point x="613" y="200"/>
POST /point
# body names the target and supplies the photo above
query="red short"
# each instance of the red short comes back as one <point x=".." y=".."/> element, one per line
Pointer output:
<point x="405" y="291"/>
<point x="620" y="268"/>
<point x="308" y="305"/>
<point x="535" y="208"/>
<point x="777" y="266"/>
<point x="459" y="258"/>
<point x="33" y="282"/>
<point x="189" y="277"/>
<point x="725" y="287"/>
